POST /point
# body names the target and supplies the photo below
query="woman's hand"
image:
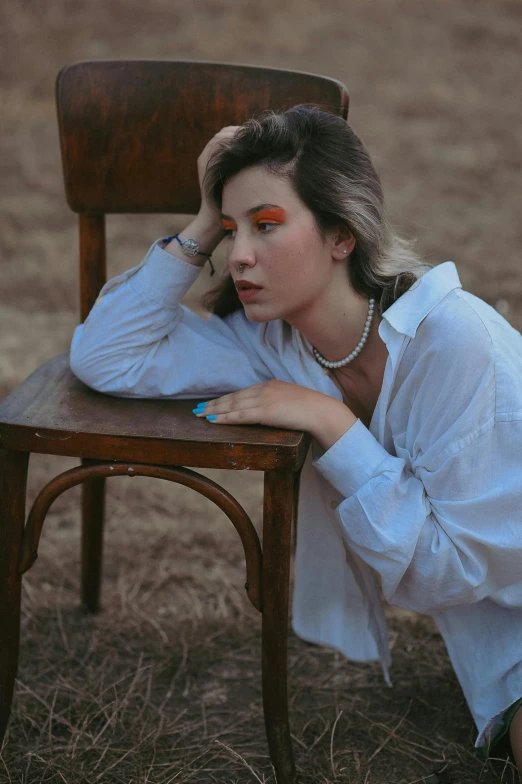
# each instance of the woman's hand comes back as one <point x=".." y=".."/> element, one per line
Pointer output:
<point x="223" y="135"/>
<point x="281" y="404"/>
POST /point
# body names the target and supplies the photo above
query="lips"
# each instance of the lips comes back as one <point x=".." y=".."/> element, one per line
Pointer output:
<point x="246" y="284"/>
<point x="246" y="290"/>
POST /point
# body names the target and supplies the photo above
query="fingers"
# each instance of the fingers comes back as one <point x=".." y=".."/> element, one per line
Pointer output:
<point x="236" y="398"/>
<point x="227" y="404"/>
<point x="240" y="404"/>
<point x="221" y="136"/>
<point x="257" y="404"/>
<point x="225" y="133"/>
<point x="242" y="416"/>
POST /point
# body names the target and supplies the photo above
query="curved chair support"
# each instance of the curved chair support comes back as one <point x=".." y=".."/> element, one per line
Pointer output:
<point x="183" y="476"/>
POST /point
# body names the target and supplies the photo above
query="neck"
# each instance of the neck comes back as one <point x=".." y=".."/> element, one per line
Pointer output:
<point x="370" y="360"/>
<point x="334" y="324"/>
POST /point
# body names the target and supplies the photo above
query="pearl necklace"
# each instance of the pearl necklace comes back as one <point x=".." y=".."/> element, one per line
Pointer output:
<point x="366" y="331"/>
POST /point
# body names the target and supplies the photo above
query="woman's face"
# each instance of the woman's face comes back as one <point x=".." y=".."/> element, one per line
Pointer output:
<point x="273" y="235"/>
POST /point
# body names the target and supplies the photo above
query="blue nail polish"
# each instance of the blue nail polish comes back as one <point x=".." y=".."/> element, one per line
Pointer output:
<point x="197" y="410"/>
<point x="211" y="417"/>
<point x="201" y="405"/>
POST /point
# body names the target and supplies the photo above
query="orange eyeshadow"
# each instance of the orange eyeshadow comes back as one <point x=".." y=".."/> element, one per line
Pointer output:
<point x="271" y="214"/>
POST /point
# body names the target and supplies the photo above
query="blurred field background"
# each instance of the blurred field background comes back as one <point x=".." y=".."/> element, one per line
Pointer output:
<point x="164" y="685"/>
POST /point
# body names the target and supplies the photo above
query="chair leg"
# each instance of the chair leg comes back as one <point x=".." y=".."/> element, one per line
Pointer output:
<point x="93" y="504"/>
<point x="297" y="480"/>
<point x="13" y="481"/>
<point x="277" y="526"/>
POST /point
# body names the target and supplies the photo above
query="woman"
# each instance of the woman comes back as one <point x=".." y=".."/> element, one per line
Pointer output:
<point x="326" y="322"/>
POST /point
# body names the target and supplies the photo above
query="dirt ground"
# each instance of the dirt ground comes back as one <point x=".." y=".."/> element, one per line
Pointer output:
<point x="163" y="686"/>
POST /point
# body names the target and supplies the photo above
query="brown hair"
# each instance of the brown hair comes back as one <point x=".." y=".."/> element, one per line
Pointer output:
<point x="330" y="170"/>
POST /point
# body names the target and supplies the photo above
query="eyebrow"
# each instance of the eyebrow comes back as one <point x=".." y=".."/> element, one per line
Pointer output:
<point x="253" y="210"/>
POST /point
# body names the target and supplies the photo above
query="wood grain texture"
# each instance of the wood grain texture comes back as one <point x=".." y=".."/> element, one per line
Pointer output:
<point x="93" y="518"/>
<point x="279" y="494"/>
<point x="53" y="412"/>
<point x="13" y="478"/>
<point x="93" y="267"/>
<point x="130" y="136"/>
<point x="93" y="471"/>
<point x="131" y="130"/>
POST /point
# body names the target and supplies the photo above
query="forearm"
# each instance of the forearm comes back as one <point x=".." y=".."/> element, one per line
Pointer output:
<point x="133" y="312"/>
<point x="205" y="228"/>
<point x="425" y="526"/>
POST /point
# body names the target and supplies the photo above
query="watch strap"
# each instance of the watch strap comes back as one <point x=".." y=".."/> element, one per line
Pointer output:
<point x="182" y="242"/>
<point x="198" y="253"/>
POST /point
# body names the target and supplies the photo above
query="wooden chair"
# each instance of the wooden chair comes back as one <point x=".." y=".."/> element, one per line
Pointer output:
<point x="130" y="134"/>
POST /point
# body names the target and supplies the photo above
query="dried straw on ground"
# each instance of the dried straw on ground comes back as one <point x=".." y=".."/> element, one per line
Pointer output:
<point x="164" y="685"/>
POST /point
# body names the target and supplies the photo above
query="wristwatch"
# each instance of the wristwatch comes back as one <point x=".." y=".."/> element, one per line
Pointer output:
<point x="190" y="246"/>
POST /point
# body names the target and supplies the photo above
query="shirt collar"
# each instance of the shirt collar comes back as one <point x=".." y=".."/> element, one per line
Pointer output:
<point x="413" y="306"/>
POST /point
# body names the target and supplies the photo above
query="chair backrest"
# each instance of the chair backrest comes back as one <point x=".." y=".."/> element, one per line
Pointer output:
<point x="131" y="132"/>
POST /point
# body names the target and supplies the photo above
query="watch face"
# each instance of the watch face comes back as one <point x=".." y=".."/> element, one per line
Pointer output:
<point x="191" y="247"/>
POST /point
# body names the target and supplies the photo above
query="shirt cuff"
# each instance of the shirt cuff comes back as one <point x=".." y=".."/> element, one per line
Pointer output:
<point x="354" y="459"/>
<point x="165" y="278"/>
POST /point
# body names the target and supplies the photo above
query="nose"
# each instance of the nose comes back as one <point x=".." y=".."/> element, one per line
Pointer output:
<point x="241" y="252"/>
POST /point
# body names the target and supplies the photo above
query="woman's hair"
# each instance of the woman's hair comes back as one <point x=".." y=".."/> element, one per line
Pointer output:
<point x="331" y="172"/>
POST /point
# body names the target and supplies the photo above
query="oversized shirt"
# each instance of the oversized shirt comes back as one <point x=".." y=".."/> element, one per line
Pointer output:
<point x="423" y="507"/>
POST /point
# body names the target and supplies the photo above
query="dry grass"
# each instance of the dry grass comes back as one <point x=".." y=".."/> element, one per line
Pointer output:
<point x="164" y="685"/>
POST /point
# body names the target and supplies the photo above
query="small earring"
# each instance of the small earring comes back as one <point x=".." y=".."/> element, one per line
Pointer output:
<point x="345" y="251"/>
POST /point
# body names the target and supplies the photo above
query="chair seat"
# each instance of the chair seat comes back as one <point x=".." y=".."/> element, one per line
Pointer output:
<point x="52" y="412"/>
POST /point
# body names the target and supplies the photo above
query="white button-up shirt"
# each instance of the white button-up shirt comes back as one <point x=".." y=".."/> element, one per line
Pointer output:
<point x="425" y="505"/>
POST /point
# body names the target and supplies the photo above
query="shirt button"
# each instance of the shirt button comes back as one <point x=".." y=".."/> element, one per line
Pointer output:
<point x="333" y="504"/>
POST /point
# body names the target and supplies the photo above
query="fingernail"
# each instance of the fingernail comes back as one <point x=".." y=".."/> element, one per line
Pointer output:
<point x="201" y="405"/>
<point x="211" y="417"/>
<point x="197" y="410"/>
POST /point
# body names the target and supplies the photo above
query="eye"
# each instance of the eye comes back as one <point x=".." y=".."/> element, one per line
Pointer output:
<point x="229" y="232"/>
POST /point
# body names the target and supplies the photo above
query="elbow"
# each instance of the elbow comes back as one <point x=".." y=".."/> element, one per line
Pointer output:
<point x="105" y="374"/>
<point x="90" y="371"/>
<point x="79" y="359"/>
<point x="90" y="366"/>
<point x="84" y="371"/>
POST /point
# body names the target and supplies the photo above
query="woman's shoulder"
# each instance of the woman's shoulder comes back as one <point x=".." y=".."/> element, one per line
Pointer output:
<point x="468" y="341"/>
<point x="463" y="321"/>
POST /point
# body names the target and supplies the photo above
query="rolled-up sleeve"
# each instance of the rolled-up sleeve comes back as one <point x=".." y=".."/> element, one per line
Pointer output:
<point x="438" y="536"/>
<point x="139" y="341"/>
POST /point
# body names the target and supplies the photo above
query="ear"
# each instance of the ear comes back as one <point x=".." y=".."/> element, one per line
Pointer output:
<point x="342" y="244"/>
